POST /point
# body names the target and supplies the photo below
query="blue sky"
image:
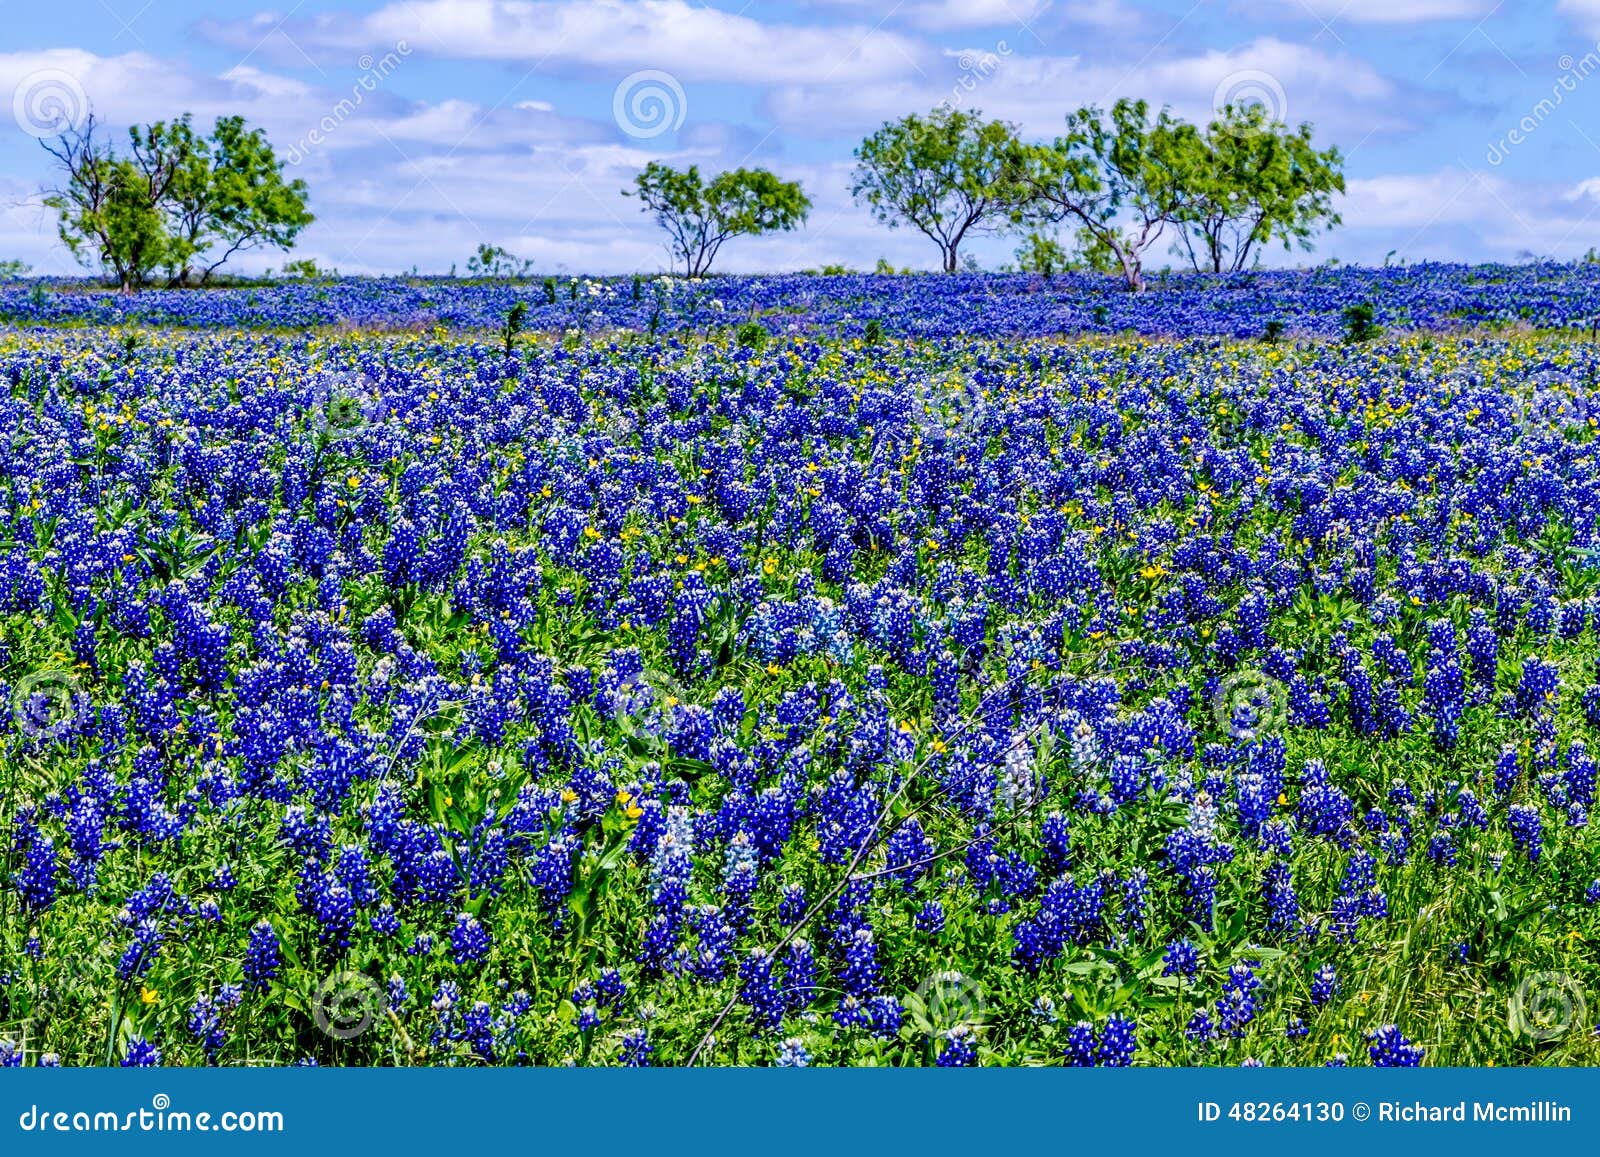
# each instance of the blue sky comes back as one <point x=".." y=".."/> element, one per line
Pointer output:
<point x="424" y="127"/>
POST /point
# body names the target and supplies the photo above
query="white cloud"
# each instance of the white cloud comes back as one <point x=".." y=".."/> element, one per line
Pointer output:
<point x="1342" y="95"/>
<point x="1447" y="197"/>
<point x="606" y="36"/>
<point x="1584" y="13"/>
<point x="997" y="14"/>
<point x="1380" y="11"/>
<point x="1455" y="213"/>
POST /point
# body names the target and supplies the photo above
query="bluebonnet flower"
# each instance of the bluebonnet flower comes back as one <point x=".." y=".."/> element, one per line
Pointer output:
<point x="139" y="1053"/>
<point x="1526" y="830"/>
<point x="636" y="1049"/>
<point x="1324" y="985"/>
<point x="1182" y="958"/>
<point x="1117" y="1042"/>
<point x="959" y="1050"/>
<point x="261" y="959"/>
<point x="469" y="940"/>
<point x="1082" y="1045"/>
<point x="760" y="991"/>
<point x="1390" y="1049"/>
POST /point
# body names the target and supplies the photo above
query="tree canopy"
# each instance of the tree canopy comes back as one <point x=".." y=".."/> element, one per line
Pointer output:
<point x="949" y="175"/>
<point x="1256" y="180"/>
<point x="699" y="216"/>
<point x="176" y="202"/>
<point x="1121" y="176"/>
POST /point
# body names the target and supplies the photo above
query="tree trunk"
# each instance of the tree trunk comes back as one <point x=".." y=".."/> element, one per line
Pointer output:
<point x="1132" y="273"/>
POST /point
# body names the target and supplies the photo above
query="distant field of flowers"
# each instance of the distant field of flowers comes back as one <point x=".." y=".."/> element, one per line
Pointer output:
<point x="1425" y="297"/>
<point x="943" y="671"/>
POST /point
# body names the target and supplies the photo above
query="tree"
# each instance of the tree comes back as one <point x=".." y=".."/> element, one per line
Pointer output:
<point x="699" y="216"/>
<point x="228" y="196"/>
<point x="1120" y="176"/>
<point x="496" y="261"/>
<point x="176" y="201"/>
<point x="1258" y="181"/>
<point x="107" y="206"/>
<point x="1042" y="252"/>
<point x="948" y="175"/>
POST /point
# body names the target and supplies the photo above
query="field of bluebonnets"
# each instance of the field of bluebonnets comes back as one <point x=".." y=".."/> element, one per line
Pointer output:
<point x="803" y="671"/>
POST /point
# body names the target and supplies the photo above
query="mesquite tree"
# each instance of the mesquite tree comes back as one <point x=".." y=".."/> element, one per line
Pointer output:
<point x="699" y="215"/>
<point x="949" y="175"/>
